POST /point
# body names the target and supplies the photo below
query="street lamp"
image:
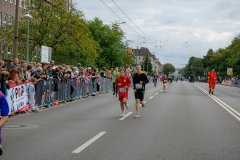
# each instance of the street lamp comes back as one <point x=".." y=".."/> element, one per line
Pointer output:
<point x="137" y="51"/>
<point x="28" y="16"/>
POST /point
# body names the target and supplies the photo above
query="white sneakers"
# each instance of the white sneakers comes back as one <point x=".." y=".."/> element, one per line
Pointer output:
<point x="123" y="114"/>
<point x="137" y="116"/>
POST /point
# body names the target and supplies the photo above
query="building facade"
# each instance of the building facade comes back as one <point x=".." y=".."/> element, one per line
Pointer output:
<point x="140" y="54"/>
<point x="7" y="16"/>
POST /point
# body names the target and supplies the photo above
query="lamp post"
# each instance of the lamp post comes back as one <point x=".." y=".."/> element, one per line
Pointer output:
<point x="28" y="16"/>
<point x="137" y="51"/>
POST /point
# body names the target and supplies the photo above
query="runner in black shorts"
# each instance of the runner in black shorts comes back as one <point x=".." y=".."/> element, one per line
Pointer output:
<point x="139" y="81"/>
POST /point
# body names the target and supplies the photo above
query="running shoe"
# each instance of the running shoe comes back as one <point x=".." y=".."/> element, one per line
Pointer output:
<point x="127" y="106"/>
<point x="116" y="95"/>
<point x="212" y="93"/>
<point x="143" y="105"/>
<point x="209" y="92"/>
<point x="123" y="114"/>
<point x="137" y="116"/>
<point x="113" y="93"/>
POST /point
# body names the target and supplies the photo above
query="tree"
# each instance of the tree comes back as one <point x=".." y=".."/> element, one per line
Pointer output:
<point x="146" y="64"/>
<point x="168" y="67"/>
<point x="110" y="38"/>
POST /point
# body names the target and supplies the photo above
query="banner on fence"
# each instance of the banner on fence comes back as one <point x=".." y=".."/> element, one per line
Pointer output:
<point x="18" y="97"/>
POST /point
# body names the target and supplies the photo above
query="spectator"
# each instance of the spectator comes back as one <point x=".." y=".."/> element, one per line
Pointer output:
<point x="37" y="65"/>
<point x="15" y="64"/>
<point x="78" y="67"/>
<point x="34" y="65"/>
<point x="29" y="71"/>
<point x="102" y="73"/>
<point x="31" y="95"/>
<point x="49" y="73"/>
<point x="20" y="75"/>
<point x="63" y="66"/>
<point x="53" y="64"/>
<point x="57" y="74"/>
<point x="4" y="82"/>
<point x="73" y="72"/>
<point x="3" y="67"/>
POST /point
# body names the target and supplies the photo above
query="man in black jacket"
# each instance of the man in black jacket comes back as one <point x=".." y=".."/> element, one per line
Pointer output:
<point x="139" y="81"/>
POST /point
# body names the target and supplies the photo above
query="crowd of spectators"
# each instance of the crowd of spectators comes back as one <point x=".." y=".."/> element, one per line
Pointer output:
<point x="20" y="72"/>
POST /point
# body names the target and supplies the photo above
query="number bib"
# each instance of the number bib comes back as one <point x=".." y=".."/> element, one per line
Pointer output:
<point x="122" y="90"/>
<point x="138" y="86"/>
<point x="165" y="80"/>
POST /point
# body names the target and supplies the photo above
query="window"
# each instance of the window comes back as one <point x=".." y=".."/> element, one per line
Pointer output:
<point x="0" y="19"/>
<point x="11" y="1"/>
<point x="6" y="0"/>
<point x="10" y="21"/>
<point x="4" y="20"/>
<point x="25" y="4"/>
<point x="21" y="3"/>
<point x="15" y="2"/>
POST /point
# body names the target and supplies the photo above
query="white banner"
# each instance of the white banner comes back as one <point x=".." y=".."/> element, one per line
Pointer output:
<point x="46" y="54"/>
<point x="18" y="98"/>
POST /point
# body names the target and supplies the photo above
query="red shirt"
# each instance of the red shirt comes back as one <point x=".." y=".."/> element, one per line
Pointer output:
<point x="125" y="81"/>
<point x="164" y="80"/>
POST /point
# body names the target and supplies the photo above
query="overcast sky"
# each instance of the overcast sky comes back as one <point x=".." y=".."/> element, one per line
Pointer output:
<point x="183" y="28"/>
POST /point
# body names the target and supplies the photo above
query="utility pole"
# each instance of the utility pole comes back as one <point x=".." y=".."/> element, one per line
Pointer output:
<point x="147" y="62"/>
<point x="15" y="44"/>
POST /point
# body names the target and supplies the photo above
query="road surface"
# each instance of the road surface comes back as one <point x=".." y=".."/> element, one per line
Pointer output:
<point x="182" y="124"/>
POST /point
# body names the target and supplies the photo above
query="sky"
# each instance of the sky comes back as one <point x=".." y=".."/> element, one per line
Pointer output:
<point x="180" y="28"/>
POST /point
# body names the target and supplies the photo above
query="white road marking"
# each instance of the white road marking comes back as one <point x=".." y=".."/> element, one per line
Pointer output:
<point x="151" y="97"/>
<point x="156" y="93"/>
<point x="160" y="90"/>
<point x="85" y="145"/>
<point x="229" y="109"/>
<point x="128" y="114"/>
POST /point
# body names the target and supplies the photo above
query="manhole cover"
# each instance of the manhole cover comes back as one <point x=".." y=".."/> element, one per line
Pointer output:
<point x="19" y="126"/>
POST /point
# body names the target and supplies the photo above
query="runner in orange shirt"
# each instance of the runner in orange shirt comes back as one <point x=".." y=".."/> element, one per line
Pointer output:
<point x="212" y="80"/>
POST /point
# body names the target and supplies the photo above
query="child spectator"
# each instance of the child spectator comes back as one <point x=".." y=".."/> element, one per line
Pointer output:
<point x="31" y="95"/>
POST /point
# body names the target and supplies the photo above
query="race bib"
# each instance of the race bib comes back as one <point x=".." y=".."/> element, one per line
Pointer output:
<point x="138" y="86"/>
<point x="165" y="80"/>
<point x="122" y="90"/>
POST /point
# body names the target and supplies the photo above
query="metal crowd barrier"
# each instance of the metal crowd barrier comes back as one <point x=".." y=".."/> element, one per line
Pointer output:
<point x="53" y="91"/>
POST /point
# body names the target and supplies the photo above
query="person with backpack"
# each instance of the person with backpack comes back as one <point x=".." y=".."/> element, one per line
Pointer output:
<point x="4" y="111"/>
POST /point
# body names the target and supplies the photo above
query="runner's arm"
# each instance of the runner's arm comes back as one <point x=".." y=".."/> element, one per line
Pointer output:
<point x="145" y="79"/>
<point x="134" y="82"/>
<point x="4" y="110"/>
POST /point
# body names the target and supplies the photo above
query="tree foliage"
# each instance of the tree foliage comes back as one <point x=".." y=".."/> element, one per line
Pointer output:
<point x="219" y="60"/>
<point x="73" y="39"/>
<point x="168" y="67"/>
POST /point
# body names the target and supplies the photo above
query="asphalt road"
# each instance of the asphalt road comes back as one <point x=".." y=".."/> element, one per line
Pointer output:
<point x="182" y="124"/>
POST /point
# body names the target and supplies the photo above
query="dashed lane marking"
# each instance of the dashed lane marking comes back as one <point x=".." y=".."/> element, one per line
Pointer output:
<point x="88" y="143"/>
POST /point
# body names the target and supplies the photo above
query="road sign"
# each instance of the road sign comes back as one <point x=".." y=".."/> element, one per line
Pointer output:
<point x="231" y="73"/>
<point x="229" y="70"/>
<point x="46" y="54"/>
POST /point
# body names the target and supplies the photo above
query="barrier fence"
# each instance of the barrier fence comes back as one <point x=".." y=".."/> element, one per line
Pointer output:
<point x="51" y="93"/>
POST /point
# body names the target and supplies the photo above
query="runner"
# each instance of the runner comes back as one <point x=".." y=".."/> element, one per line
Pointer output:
<point x="169" y="78"/>
<point x="212" y="80"/>
<point x="123" y="83"/>
<point x="139" y="81"/>
<point x="115" y="74"/>
<point x="164" y="80"/>
<point x="4" y="110"/>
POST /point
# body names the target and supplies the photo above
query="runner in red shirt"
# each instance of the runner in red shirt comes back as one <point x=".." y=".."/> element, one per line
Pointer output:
<point x="123" y="83"/>
<point x="164" y="80"/>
